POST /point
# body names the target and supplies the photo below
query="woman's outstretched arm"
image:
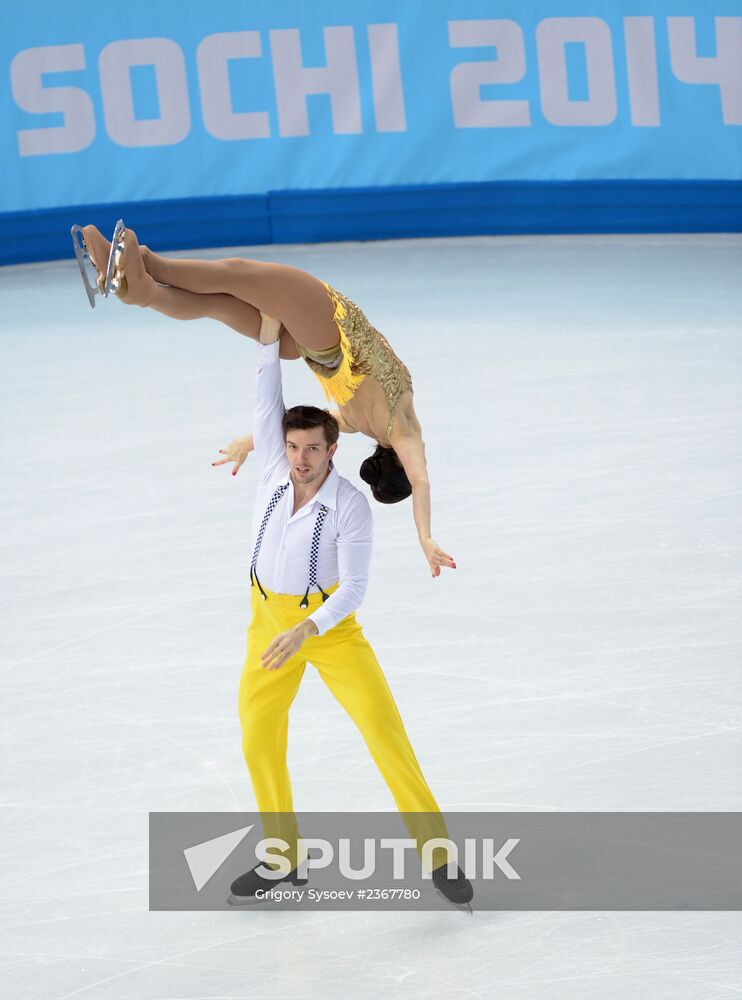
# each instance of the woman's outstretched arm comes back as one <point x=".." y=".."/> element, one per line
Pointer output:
<point x="238" y="449"/>
<point x="410" y="450"/>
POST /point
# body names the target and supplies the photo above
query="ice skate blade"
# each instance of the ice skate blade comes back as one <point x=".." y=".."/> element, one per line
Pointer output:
<point x="464" y="907"/>
<point x="245" y="900"/>
<point x="81" y="253"/>
<point x="114" y="252"/>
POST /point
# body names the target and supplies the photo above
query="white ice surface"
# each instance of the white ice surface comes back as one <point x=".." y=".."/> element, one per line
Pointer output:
<point x="580" y="398"/>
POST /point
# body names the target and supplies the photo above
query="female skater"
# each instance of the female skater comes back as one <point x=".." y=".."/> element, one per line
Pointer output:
<point x="353" y="362"/>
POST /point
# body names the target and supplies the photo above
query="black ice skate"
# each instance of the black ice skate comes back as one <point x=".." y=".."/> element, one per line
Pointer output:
<point x="455" y="889"/>
<point x="245" y="887"/>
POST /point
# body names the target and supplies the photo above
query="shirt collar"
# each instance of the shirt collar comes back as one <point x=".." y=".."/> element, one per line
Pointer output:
<point x="328" y="492"/>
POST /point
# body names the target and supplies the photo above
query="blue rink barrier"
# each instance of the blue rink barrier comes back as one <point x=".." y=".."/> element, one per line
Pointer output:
<point x="498" y="208"/>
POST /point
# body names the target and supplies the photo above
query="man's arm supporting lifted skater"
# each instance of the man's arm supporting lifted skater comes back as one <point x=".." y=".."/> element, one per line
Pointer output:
<point x="268" y="438"/>
<point x="354" y="540"/>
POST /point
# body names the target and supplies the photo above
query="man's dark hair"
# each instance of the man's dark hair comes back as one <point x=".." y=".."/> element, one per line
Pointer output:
<point x="385" y="475"/>
<point x="304" y="418"/>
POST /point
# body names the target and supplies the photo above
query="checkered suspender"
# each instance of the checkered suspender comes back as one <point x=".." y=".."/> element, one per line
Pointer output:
<point x="313" y="554"/>
<point x="272" y="504"/>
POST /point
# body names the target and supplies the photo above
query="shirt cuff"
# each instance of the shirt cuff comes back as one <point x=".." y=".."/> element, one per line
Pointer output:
<point x="268" y="352"/>
<point x="323" y="620"/>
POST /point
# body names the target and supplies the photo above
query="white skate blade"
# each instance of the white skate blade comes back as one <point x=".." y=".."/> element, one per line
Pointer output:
<point x="81" y="254"/>
<point x="117" y="233"/>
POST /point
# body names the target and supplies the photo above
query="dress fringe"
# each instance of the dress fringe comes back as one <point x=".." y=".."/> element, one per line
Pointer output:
<point x="343" y="383"/>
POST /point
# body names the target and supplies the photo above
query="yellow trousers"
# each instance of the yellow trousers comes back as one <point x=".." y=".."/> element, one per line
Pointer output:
<point x="348" y="666"/>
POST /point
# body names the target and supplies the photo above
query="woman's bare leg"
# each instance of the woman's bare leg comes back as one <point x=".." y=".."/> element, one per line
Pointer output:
<point x="178" y="303"/>
<point x="239" y="315"/>
<point x="299" y="300"/>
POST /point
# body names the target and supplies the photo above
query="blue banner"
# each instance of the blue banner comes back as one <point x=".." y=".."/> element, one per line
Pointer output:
<point x="150" y="101"/>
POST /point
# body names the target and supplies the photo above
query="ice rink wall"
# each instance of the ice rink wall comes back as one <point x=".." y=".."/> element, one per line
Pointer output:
<point x="237" y="122"/>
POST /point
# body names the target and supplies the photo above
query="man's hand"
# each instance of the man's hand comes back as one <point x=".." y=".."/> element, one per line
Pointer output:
<point x="237" y="451"/>
<point x="270" y="329"/>
<point x="287" y="643"/>
<point x="436" y="557"/>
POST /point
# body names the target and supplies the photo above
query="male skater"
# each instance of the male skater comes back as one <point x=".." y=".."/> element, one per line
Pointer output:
<point x="309" y="572"/>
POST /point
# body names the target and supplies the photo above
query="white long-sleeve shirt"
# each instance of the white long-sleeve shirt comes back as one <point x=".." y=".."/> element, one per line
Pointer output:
<point x="346" y="540"/>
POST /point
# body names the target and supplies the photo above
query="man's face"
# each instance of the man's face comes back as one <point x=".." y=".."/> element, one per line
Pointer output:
<point x="308" y="455"/>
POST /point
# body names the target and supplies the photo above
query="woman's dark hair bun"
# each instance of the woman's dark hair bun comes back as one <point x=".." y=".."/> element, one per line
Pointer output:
<point x="371" y="470"/>
<point x="385" y="475"/>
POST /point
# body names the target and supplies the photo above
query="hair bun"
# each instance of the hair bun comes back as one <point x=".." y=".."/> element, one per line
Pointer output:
<point x="370" y="470"/>
<point x="385" y="475"/>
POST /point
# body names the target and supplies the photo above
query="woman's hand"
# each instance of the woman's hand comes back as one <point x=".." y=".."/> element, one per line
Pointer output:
<point x="436" y="556"/>
<point x="237" y="451"/>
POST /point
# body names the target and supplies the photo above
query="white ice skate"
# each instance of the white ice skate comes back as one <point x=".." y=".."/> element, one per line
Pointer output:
<point x="112" y="279"/>
<point x="96" y="286"/>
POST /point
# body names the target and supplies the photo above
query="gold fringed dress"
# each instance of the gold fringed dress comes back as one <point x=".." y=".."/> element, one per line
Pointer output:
<point x="362" y="353"/>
